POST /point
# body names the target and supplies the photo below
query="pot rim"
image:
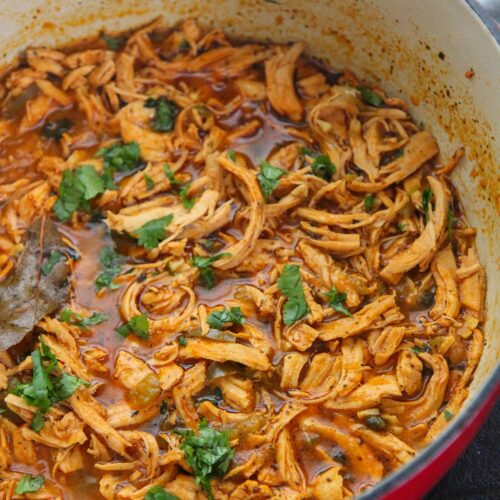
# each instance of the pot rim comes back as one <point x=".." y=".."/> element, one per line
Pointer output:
<point x="490" y="388"/>
<point x="445" y="439"/>
<point x="486" y="19"/>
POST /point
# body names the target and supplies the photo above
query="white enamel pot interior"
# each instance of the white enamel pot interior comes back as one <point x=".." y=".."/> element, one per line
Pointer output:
<point x="416" y="49"/>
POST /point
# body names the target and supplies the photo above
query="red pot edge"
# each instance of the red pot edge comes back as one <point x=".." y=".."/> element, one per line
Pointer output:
<point x="418" y="476"/>
<point x="433" y="470"/>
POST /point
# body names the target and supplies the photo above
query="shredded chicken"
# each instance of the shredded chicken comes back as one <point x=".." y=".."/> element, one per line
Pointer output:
<point x="274" y="292"/>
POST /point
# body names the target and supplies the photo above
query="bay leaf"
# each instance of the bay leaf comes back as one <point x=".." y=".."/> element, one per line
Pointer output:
<point x="27" y="295"/>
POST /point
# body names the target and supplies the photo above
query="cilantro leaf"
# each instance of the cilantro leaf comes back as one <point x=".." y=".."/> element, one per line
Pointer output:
<point x="369" y="202"/>
<point x="120" y="157"/>
<point x="231" y="154"/>
<point x="182" y="341"/>
<point x="138" y="325"/>
<point x="67" y="385"/>
<point x="150" y="234"/>
<point x="417" y="349"/>
<point x="113" y="43"/>
<point x="150" y="183"/>
<point x="52" y="260"/>
<point x="73" y="318"/>
<point x="49" y="384"/>
<point x="110" y="269"/>
<point x="336" y="300"/>
<point x="170" y="175"/>
<point x="218" y="319"/>
<point x="165" y="113"/>
<point x="187" y="203"/>
<point x="426" y="202"/>
<point x="207" y="278"/>
<point x="402" y="227"/>
<point x="158" y="493"/>
<point x="448" y="415"/>
<point x="92" y="182"/>
<point x="55" y="130"/>
<point x="208" y="452"/>
<point x="370" y="97"/>
<point x="77" y="188"/>
<point x="29" y="484"/>
<point x="207" y="274"/>
<point x="38" y="421"/>
<point x="323" y="167"/>
<point x="204" y="262"/>
<point x="269" y="178"/>
<point x="290" y="285"/>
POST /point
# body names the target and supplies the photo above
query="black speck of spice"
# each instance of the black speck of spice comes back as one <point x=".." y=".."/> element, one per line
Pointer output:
<point x="441" y="56"/>
<point x="134" y="413"/>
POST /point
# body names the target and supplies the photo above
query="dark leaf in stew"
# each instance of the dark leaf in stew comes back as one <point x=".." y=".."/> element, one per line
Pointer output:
<point x="27" y="294"/>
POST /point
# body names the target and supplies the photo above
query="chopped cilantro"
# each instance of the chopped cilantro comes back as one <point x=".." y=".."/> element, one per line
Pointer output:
<point x="336" y="300"/>
<point x="187" y="203"/>
<point x="323" y="167"/>
<point x="110" y="269"/>
<point x="138" y="325"/>
<point x="170" y="175"/>
<point x="426" y="202"/>
<point x="219" y="319"/>
<point x="46" y="388"/>
<point x="55" y="130"/>
<point x="369" y="202"/>
<point x="208" y="453"/>
<point x="231" y="155"/>
<point x="77" y="188"/>
<point x="182" y="341"/>
<point x="448" y="415"/>
<point x="290" y="285"/>
<point x="269" y="178"/>
<point x="52" y="260"/>
<point x="150" y="183"/>
<point x="113" y="43"/>
<point x="38" y="421"/>
<point x="425" y="348"/>
<point x="402" y="227"/>
<point x="73" y="318"/>
<point x="29" y="484"/>
<point x="158" y="493"/>
<point x="207" y="274"/>
<point x="165" y="113"/>
<point x="120" y="157"/>
<point x="370" y="97"/>
<point x="150" y="234"/>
